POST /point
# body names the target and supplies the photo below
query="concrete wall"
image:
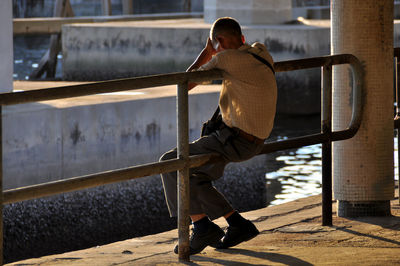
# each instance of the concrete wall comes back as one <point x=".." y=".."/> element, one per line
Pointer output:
<point x="114" y="50"/>
<point x="109" y="50"/>
<point x="6" y="46"/>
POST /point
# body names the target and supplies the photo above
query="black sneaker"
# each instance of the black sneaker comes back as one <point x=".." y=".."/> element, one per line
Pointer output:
<point x="238" y="234"/>
<point x="199" y="241"/>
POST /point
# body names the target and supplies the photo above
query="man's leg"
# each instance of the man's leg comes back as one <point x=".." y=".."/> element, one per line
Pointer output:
<point x="236" y="149"/>
<point x="204" y="197"/>
<point x="205" y="233"/>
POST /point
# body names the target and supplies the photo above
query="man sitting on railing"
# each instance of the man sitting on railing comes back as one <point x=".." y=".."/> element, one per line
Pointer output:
<point x="247" y="103"/>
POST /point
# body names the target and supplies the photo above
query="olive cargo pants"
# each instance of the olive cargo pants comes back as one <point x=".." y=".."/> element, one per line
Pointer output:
<point x="204" y="197"/>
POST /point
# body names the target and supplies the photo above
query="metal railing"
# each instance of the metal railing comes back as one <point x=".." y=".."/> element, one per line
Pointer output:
<point x="184" y="161"/>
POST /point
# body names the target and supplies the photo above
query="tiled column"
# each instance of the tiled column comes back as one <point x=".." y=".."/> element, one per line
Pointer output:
<point x="363" y="166"/>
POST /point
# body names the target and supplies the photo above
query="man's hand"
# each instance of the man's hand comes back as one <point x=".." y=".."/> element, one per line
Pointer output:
<point x="210" y="48"/>
<point x="205" y="56"/>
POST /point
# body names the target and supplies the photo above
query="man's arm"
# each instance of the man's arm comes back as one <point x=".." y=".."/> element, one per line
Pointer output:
<point x="204" y="56"/>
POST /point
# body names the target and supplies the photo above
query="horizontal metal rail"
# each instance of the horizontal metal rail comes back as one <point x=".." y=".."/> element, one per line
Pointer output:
<point x="53" y="25"/>
<point x="184" y="162"/>
<point x="104" y="178"/>
<point x="12" y="98"/>
<point x="46" y="189"/>
<point x="356" y="116"/>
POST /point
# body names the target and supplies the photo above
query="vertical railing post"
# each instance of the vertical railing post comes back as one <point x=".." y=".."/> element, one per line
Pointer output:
<point x="183" y="174"/>
<point x="326" y="128"/>
<point x="1" y="186"/>
<point x="106" y="7"/>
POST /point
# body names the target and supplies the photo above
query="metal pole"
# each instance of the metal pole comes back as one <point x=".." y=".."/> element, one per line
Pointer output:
<point x="106" y="7"/>
<point x="326" y="117"/>
<point x="1" y="186"/>
<point x="183" y="174"/>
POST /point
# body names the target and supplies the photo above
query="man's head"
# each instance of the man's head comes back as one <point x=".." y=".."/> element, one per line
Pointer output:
<point x="226" y="33"/>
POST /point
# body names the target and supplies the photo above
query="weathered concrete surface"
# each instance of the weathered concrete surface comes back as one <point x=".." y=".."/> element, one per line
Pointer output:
<point x="78" y="136"/>
<point x="64" y="138"/>
<point x="291" y="234"/>
<point x="161" y="46"/>
<point x="112" y="50"/>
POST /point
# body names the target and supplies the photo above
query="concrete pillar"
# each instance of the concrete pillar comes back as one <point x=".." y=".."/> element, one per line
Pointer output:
<point x="6" y="46"/>
<point x="363" y="166"/>
<point x="249" y="11"/>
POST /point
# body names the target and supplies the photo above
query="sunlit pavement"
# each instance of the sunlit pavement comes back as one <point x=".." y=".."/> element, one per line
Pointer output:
<point x="291" y="234"/>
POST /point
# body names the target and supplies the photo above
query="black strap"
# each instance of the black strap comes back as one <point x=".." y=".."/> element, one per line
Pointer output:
<point x="262" y="60"/>
<point x="216" y="113"/>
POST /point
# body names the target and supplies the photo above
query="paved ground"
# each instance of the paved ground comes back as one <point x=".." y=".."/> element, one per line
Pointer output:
<point x="291" y="234"/>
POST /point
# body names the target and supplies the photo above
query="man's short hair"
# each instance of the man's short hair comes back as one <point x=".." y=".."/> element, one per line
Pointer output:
<point x="226" y="26"/>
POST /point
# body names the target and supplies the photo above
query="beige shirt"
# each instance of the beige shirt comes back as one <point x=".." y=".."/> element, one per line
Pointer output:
<point x="249" y="92"/>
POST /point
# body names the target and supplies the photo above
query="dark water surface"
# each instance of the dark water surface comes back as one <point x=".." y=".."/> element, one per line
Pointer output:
<point x="293" y="173"/>
<point x="28" y="50"/>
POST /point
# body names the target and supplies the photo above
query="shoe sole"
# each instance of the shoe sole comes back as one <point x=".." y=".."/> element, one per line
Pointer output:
<point x="238" y="241"/>
<point x="211" y="243"/>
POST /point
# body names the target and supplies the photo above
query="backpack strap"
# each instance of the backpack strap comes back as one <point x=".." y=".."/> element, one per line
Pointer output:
<point x="216" y="113"/>
<point x="265" y="62"/>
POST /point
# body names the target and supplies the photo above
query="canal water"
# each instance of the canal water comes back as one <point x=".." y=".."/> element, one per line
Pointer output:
<point x="291" y="174"/>
<point x="295" y="173"/>
<point x="28" y="50"/>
